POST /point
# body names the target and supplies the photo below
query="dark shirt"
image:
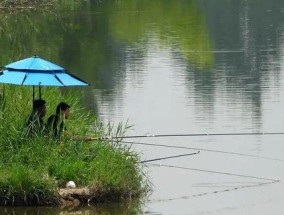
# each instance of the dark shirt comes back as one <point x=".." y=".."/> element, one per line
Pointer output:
<point x="34" y="125"/>
<point x="54" y="128"/>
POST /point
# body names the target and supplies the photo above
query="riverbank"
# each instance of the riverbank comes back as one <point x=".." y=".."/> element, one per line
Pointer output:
<point x="33" y="171"/>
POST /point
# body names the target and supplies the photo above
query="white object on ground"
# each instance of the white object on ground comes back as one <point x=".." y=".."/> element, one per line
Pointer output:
<point x="70" y="184"/>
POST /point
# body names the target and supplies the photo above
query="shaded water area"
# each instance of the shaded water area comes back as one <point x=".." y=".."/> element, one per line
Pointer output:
<point x="113" y="208"/>
<point x="176" y="67"/>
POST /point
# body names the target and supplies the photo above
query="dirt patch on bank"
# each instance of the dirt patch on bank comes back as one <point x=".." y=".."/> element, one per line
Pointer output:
<point x="75" y="196"/>
<point x="78" y="196"/>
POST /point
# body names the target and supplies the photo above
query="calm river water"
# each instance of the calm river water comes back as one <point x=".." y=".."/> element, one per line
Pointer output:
<point x="176" y="67"/>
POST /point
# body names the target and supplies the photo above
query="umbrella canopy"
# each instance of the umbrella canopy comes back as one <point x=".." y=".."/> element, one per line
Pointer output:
<point x="35" y="71"/>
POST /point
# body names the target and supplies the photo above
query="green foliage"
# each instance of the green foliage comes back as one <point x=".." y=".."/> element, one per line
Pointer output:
<point x="33" y="169"/>
<point x="22" y="184"/>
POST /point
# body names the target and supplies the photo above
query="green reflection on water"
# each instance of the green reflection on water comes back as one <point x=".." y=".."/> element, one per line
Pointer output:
<point x="99" y="209"/>
<point x="83" y="36"/>
<point x="179" y="25"/>
<point x="26" y="33"/>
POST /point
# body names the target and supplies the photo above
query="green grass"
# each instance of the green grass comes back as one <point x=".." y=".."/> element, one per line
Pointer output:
<point x="33" y="169"/>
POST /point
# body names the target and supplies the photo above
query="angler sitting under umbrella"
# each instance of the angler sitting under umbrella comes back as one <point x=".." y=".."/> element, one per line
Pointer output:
<point x="34" y="124"/>
<point x="35" y="71"/>
<point x="56" y="122"/>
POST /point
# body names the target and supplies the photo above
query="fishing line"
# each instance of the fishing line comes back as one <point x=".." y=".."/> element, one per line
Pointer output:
<point x="174" y="156"/>
<point x="217" y="172"/>
<point x="258" y="184"/>
<point x="202" y="149"/>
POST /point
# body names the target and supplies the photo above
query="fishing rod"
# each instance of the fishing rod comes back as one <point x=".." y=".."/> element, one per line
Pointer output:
<point x="184" y="147"/>
<point x="192" y="135"/>
<point x="202" y="149"/>
<point x="164" y="158"/>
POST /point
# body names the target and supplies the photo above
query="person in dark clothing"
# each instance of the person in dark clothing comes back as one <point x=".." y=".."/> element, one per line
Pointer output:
<point x="34" y="123"/>
<point x="56" y="122"/>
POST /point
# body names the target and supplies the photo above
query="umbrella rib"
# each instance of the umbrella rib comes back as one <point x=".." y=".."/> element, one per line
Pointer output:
<point x="24" y="79"/>
<point x="32" y="70"/>
<point x="73" y="76"/>
<point x="58" y="79"/>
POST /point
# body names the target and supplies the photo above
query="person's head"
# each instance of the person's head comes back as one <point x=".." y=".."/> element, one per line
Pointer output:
<point x="39" y="107"/>
<point x="63" y="109"/>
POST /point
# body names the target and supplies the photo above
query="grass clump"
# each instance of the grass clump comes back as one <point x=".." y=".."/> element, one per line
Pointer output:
<point x="32" y="170"/>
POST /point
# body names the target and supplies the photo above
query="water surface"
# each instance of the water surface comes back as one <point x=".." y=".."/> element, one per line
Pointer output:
<point x="178" y="67"/>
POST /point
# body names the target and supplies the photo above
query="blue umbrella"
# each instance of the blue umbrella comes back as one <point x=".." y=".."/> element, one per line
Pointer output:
<point x="35" y="71"/>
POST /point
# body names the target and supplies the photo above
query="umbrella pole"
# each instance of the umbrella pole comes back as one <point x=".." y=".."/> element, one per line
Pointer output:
<point x="33" y="94"/>
<point x="39" y="89"/>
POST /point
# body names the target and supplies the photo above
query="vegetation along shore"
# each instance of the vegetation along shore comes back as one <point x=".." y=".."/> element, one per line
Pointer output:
<point x="35" y="170"/>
